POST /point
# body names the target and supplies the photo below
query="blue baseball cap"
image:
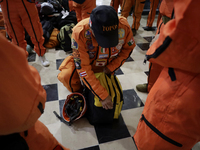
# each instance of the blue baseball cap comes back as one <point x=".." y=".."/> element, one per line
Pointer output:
<point x="104" y="24"/>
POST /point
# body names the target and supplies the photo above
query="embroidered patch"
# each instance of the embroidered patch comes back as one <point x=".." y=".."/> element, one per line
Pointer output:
<point x="74" y="44"/>
<point x="119" y="46"/>
<point x="101" y="62"/>
<point x="90" y="23"/>
<point x="103" y="55"/>
<point x="89" y="45"/>
<point x="91" y="54"/>
<point x="87" y="34"/>
<point x="121" y="33"/>
<point x="131" y="42"/>
<point x="114" y="52"/>
<point x="103" y="50"/>
<point x="83" y="73"/>
<point x="76" y="53"/>
<point x="77" y="62"/>
<point x="121" y="41"/>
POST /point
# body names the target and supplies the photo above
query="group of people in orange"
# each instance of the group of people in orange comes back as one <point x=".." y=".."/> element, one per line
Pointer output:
<point x="170" y="116"/>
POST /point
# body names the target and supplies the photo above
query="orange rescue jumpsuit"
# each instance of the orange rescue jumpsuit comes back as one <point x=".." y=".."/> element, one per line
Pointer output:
<point x="84" y="9"/>
<point x="166" y="9"/>
<point x="152" y="12"/>
<point x="170" y="119"/>
<point x="115" y="4"/>
<point x="91" y="58"/>
<point x="20" y="14"/>
<point x="2" y="28"/>
<point x="22" y="101"/>
<point x="138" y="9"/>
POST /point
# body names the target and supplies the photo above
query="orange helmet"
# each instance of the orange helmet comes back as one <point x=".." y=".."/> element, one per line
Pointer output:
<point x="74" y="107"/>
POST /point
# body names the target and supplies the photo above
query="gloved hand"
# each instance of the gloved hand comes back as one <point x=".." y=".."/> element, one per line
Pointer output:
<point x="107" y="103"/>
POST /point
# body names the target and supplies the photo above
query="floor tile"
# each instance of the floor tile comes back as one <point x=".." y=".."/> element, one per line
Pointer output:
<point x="143" y="46"/>
<point x="58" y="62"/>
<point x="91" y="148"/>
<point x="131" y="118"/>
<point x="48" y="117"/>
<point x="128" y="67"/>
<point x="31" y="57"/>
<point x="52" y="92"/>
<point x="61" y="104"/>
<point x="196" y="146"/>
<point x="142" y="65"/>
<point x="148" y="38"/>
<point x="131" y="100"/>
<point x="79" y="135"/>
<point x="116" y="130"/>
<point x="118" y="72"/>
<point x="122" y="144"/>
<point x="152" y="29"/>
<point x="125" y="82"/>
<point x="55" y="129"/>
<point x="138" y="54"/>
<point x="62" y="91"/>
<point x="129" y="59"/>
<point x="146" y="72"/>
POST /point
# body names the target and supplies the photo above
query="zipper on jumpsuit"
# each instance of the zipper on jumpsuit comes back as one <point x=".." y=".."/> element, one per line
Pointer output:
<point x="155" y="130"/>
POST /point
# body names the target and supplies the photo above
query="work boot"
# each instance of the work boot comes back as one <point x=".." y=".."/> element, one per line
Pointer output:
<point x="147" y="28"/>
<point x="44" y="61"/>
<point x="134" y="31"/>
<point x="142" y="87"/>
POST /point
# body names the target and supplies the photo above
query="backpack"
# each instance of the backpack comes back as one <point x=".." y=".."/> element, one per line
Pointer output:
<point x="64" y="37"/>
<point x="95" y="113"/>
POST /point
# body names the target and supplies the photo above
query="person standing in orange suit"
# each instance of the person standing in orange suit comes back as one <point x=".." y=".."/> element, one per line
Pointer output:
<point x="170" y="118"/>
<point x="137" y="13"/>
<point x="22" y="14"/>
<point x="153" y="7"/>
<point x="22" y="103"/>
<point x="83" y="8"/>
<point x="166" y="11"/>
<point x="115" y="4"/>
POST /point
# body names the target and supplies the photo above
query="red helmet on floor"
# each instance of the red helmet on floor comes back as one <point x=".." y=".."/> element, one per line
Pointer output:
<point x="74" y="107"/>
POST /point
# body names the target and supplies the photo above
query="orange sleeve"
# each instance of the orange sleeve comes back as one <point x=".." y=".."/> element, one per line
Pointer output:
<point x="85" y="71"/>
<point x="166" y="8"/>
<point x="22" y="95"/>
<point x="178" y="43"/>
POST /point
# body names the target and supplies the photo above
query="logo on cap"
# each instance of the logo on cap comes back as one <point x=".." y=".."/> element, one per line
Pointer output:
<point x="110" y="28"/>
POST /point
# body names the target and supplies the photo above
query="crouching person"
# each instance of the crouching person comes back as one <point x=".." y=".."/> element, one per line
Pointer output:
<point x="99" y="45"/>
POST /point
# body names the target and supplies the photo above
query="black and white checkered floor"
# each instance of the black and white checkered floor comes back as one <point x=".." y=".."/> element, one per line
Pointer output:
<point x="82" y="135"/>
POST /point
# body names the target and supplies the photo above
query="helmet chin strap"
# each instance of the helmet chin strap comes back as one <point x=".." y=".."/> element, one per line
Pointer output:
<point x="61" y="119"/>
